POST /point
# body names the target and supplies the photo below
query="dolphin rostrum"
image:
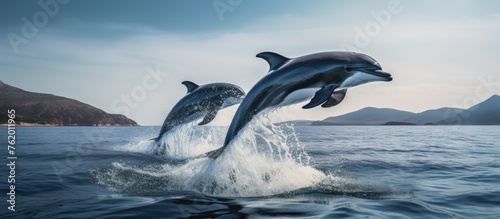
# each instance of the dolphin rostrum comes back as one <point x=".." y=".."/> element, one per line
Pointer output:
<point x="323" y="76"/>
<point x="202" y="101"/>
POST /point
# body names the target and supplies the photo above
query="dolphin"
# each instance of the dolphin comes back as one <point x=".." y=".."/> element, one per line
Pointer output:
<point x="321" y="77"/>
<point x="201" y="101"/>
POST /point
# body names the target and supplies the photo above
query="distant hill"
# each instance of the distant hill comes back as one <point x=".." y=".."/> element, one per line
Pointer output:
<point x="47" y="109"/>
<point x="485" y="113"/>
<point x="399" y="123"/>
<point x="366" y="116"/>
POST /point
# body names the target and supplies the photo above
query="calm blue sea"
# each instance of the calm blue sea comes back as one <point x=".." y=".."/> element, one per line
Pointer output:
<point x="271" y="171"/>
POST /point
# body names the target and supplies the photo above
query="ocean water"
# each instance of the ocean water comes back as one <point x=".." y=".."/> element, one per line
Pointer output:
<point x="269" y="171"/>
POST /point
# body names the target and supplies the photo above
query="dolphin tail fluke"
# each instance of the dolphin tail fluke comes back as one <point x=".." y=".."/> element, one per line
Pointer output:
<point x="335" y="98"/>
<point x="208" y="118"/>
<point x="213" y="154"/>
<point x="321" y="96"/>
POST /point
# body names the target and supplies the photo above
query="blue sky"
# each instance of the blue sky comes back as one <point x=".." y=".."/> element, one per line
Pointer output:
<point x="441" y="53"/>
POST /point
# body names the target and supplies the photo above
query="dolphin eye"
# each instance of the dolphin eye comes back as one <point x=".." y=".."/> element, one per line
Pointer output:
<point x="347" y="68"/>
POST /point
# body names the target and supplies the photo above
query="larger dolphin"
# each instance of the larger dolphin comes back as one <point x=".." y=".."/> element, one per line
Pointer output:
<point x="323" y="76"/>
<point x="202" y="101"/>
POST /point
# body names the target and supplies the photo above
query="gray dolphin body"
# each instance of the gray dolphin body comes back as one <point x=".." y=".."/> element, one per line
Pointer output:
<point x="323" y="76"/>
<point x="202" y="101"/>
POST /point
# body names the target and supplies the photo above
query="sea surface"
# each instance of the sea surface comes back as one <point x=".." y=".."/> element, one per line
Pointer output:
<point x="269" y="171"/>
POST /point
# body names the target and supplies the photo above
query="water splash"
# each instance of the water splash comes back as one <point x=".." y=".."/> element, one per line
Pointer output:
<point x="182" y="142"/>
<point x="187" y="141"/>
<point x="264" y="159"/>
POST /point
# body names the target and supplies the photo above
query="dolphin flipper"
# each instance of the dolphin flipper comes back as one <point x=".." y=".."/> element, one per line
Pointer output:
<point x="335" y="98"/>
<point x="208" y="118"/>
<point x="321" y="96"/>
<point x="191" y="86"/>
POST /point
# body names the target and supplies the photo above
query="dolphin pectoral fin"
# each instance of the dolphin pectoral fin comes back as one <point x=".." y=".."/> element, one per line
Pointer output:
<point x="335" y="98"/>
<point x="191" y="86"/>
<point x="321" y="96"/>
<point x="274" y="60"/>
<point x="208" y="118"/>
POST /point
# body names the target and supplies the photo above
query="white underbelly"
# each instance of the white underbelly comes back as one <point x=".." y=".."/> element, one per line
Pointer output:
<point x="357" y="79"/>
<point x="299" y="96"/>
<point x="193" y="117"/>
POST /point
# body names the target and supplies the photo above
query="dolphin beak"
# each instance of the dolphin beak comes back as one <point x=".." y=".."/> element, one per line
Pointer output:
<point x="383" y="74"/>
<point x="377" y="72"/>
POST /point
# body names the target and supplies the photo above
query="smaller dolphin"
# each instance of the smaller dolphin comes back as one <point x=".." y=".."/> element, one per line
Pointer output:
<point x="323" y="78"/>
<point x="202" y="101"/>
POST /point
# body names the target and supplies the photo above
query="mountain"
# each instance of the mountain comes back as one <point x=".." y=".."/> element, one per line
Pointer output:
<point x="432" y="116"/>
<point x="47" y="109"/>
<point x="485" y="113"/>
<point x="366" y="116"/>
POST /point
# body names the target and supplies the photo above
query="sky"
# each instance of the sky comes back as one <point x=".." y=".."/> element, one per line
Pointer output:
<point x="130" y="57"/>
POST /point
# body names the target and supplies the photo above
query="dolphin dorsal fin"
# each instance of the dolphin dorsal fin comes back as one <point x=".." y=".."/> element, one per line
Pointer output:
<point x="191" y="86"/>
<point x="275" y="60"/>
